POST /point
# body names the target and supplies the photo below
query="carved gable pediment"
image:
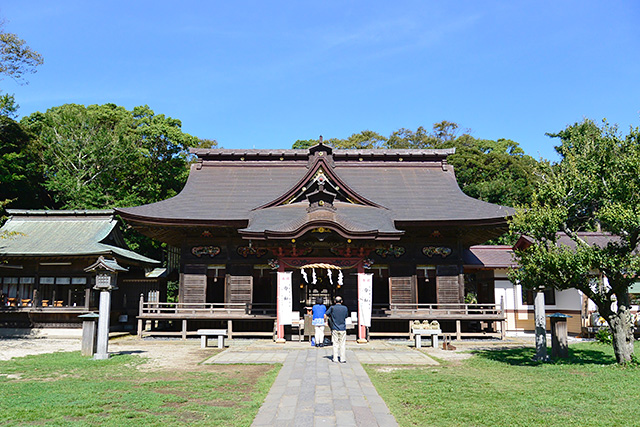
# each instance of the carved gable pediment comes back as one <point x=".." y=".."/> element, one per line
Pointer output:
<point x="321" y="186"/>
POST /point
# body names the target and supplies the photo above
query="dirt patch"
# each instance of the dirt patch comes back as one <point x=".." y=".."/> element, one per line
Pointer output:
<point x="20" y="347"/>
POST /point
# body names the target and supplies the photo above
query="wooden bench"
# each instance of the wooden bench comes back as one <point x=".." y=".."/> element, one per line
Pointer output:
<point x="206" y="333"/>
<point x="434" y="336"/>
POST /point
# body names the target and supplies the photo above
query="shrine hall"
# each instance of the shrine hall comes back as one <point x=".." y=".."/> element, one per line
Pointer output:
<point x="262" y="233"/>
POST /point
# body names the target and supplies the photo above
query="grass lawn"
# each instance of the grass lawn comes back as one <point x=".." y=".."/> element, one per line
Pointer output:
<point x="66" y="389"/>
<point x="504" y="388"/>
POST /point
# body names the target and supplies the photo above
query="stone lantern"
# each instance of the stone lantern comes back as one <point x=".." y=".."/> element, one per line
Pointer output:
<point x="106" y="274"/>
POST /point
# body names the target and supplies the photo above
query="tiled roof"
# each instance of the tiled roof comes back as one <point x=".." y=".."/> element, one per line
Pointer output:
<point x="592" y="238"/>
<point x="294" y="218"/>
<point x="64" y="233"/>
<point x="488" y="256"/>
<point x="228" y="185"/>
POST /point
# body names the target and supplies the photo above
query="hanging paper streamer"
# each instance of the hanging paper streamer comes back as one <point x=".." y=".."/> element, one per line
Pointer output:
<point x="340" y="277"/>
<point x="304" y="276"/>
<point x="313" y="275"/>
<point x="330" y="275"/>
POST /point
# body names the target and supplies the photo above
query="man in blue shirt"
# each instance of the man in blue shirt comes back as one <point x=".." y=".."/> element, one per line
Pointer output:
<point x="319" y="309"/>
<point x="337" y="316"/>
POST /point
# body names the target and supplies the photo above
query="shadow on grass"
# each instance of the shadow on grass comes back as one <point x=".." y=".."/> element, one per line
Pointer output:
<point x="523" y="356"/>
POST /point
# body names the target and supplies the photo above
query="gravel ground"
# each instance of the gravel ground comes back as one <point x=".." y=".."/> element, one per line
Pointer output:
<point x="178" y="354"/>
<point x="162" y="354"/>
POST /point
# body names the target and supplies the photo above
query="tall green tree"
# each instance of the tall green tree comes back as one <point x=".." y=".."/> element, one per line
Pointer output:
<point x="595" y="186"/>
<point x="19" y="169"/>
<point x="104" y="156"/>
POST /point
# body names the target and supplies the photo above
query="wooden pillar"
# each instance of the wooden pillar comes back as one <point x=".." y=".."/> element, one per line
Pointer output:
<point x="458" y="330"/>
<point x="87" y="298"/>
<point x="230" y="328"/>
<point x="35" y="300"/>
<point x="140" y="328"/>
<point x="184" y="329"/>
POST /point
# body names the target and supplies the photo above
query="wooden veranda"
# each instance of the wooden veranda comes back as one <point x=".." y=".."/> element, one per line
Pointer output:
<point x="247" y="312"/>
<point x="458" y="313"/>
<point x="185" y="312"/>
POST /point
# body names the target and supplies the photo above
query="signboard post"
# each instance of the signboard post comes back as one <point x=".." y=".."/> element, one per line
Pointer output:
<point x="285" y="303"/>
<point x="365" y="293"/>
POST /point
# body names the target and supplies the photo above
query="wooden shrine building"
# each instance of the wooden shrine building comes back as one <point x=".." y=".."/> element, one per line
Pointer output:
<point x="262" y="233"/>
<point x="43" y="278"/>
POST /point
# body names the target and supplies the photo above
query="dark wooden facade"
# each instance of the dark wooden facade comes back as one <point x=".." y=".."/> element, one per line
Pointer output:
<point x="245" y="216"/>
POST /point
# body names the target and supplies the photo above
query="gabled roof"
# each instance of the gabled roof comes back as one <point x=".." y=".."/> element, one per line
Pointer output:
<point x="398" y="188"/>
<point x="592" y="238"/>
<point x="348" y="220"/>
<point x="65" y="233"/>
<point x="489" y="256"/>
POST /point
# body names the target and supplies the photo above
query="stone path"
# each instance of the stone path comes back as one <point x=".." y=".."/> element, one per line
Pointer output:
<point x="312" y="390"/>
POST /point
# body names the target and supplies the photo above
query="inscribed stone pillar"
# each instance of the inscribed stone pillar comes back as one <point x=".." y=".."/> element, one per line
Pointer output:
<point x="102" y="351"/>
<point x="541" y="327"/>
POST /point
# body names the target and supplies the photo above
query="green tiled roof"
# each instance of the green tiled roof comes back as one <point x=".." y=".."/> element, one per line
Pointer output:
<point x="65" y="233"/>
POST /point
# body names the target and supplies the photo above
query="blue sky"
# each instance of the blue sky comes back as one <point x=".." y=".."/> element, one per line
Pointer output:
<point x="264" y="74"/>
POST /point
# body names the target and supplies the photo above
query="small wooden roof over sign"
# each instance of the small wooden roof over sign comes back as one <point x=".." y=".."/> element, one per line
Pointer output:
<point x="103" y="264"/>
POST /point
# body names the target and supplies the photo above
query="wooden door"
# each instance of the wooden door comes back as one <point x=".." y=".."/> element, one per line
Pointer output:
<point x="448" y="285"/>
<point x="193" y="284"/>
<point x="238" y="289"/>
<point x="403" y="290"/>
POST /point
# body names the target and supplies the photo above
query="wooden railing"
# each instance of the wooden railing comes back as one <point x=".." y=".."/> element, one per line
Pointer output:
<point x="440" y="309"/>
<point x="176" y="308"/>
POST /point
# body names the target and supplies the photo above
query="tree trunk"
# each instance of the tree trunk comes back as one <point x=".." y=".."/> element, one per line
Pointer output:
<point x="621" y="325"/>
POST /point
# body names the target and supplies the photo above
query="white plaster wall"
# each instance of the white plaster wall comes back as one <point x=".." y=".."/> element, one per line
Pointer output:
<point x="569" y="299"/>
<point x="504" y="292"/>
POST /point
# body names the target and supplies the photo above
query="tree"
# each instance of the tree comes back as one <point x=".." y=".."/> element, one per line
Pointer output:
<point x="595" y="186"/>
<point x="16" y="58"/>
<point x="17" y="168"/>
<point x="104" y="156"/>
<point x="20" y="167"/>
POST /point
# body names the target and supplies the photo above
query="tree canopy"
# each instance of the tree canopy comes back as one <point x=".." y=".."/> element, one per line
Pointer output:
<point x="104" y="156"/>
<point x="18" y="168"/>
<point x="595" y="187"/>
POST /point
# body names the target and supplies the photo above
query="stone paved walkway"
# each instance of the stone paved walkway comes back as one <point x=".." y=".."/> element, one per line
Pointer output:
<point x="312" y="390"/>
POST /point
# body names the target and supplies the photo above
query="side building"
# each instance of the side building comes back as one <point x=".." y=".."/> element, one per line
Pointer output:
<point x="43" y="257"/>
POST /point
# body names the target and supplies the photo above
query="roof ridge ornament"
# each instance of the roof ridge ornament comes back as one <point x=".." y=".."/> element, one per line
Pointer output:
<point x="320" y="152"/>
